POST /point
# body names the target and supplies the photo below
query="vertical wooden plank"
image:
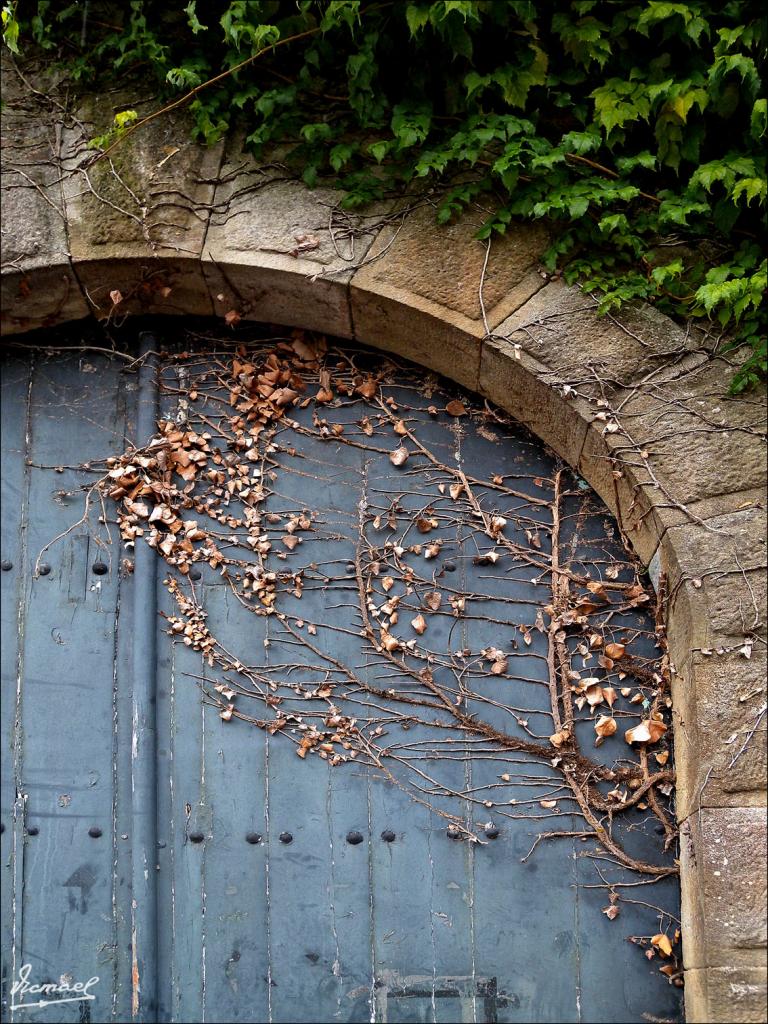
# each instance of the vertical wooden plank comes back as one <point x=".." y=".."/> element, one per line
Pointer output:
<point x="319" y="905"/>
<point x="14" y="411"/>
<point x="184" y="816"/>
<point x="422" y="887"/>
<point x="515" y="903"/>
<point x="122" y="691"/>
<point x="144" y="907"/>
<point x="624" y="983"/>
<point x="184" y="820"/>
<point x="237" y="953"/>
<point x="67" y="700"/>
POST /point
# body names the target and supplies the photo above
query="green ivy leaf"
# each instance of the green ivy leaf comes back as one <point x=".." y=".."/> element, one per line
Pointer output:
<point x="341" y="154"/>
<point x="410" y="125"/>
<point x="379" y="150"/>
<point x="10" y="28"/>
<point x="750" y="188"/>
<point x="417" y="17"/>
<point x="619" y="102"/>
<point x="194" y="22"/>
<point x="758" y="121"/>
<point x="656" y="11"/>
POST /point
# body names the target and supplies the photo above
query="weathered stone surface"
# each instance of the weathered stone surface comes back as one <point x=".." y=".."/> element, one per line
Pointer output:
<point x="682" y="441"/>
<point x="137" y="218"/>
<point x="646" y="501"/>
<point x="33" y="232"/>
<point x="560" y="328"/>
<point x="38" y="284"/>
<point x="120" y="287"/>
<point x="148" y="196"/>
<point x="40" y="297"/>
<point x="34" y="220"/>
<point x="519" y="385"/>
<point x="720" y="731"/>
<point x="599" y="358"/>
<point x="622" y="483"/>
<point x="723" y="850"/>
<point x="726" y="994"/>
<point x="447" y="344"/>
<point x="444" y="264"/>
<point x="700" y="440"/>
<point x="719" y="505"/>
<point x="276" y="251"/>
<point x="417" y="265"/>
<point x="717" y="580"/>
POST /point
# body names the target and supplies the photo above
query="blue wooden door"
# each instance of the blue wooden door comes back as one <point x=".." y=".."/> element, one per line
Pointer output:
<point x="354" y="804"/>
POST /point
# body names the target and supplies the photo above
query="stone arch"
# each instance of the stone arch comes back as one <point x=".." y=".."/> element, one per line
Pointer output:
<point x="638" y="405"/>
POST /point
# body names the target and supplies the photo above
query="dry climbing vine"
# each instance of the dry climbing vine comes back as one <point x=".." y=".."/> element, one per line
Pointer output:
<point x="578" y="660"/>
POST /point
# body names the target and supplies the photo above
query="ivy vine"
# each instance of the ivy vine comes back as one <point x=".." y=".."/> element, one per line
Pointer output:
<point x="636" y="128"/>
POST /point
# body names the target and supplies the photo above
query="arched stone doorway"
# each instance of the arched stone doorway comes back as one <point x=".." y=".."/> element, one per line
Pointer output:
<point x="639" y="407"/>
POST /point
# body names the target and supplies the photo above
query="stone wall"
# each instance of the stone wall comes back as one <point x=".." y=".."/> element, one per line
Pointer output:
<point x="637" y="404"/>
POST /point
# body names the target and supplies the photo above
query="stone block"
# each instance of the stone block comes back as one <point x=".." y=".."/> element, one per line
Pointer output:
<point x="622" y="483"/>
<point x="519" y="385"/>
<point x="682" y="443"/>
<point x="439" y="268"/>
<point x="39" y="288"/>
<point x="701" y="441"/>
<point x="40" y="297"/>
<point x="34" y="219"/>
<point x="720" y="731"/>
<point x="726" y="994"/>
<point x="717" y="581"/>
<point x="723" y="857"/>
<point x="138" y="216"/>
<point x="599" y="356"/>
<point x="277" y="252"/>
<point x="159" y="285"/>
<point x="419" y="332"/>
<point x="647" y="499"/>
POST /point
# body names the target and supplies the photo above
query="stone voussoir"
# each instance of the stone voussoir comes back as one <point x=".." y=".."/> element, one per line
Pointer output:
<point x="600" y="360"/>
<point x="279" y="253"/>
<point x="137" y="217"/>
<point x="720" y="730"/>
<point x="445" y="266"/>
<point x="522" y="387"/>
<point x="700" y="441"/>
<point x="723" y="850"/>
<point x="599" y="356"/>
<point x="717" y="582"/>
<point x="39" y="287"/>
<point x="738" y="994"/>
<point x="418" y="294"/>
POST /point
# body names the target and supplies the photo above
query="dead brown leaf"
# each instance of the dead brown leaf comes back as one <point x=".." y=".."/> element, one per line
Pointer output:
<point x="604" y="727"/>
<point x="559" y="738"/>
<point x="662" y="943"/>
<point x="419" y="624"/>
<point x="456" y="408"/>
